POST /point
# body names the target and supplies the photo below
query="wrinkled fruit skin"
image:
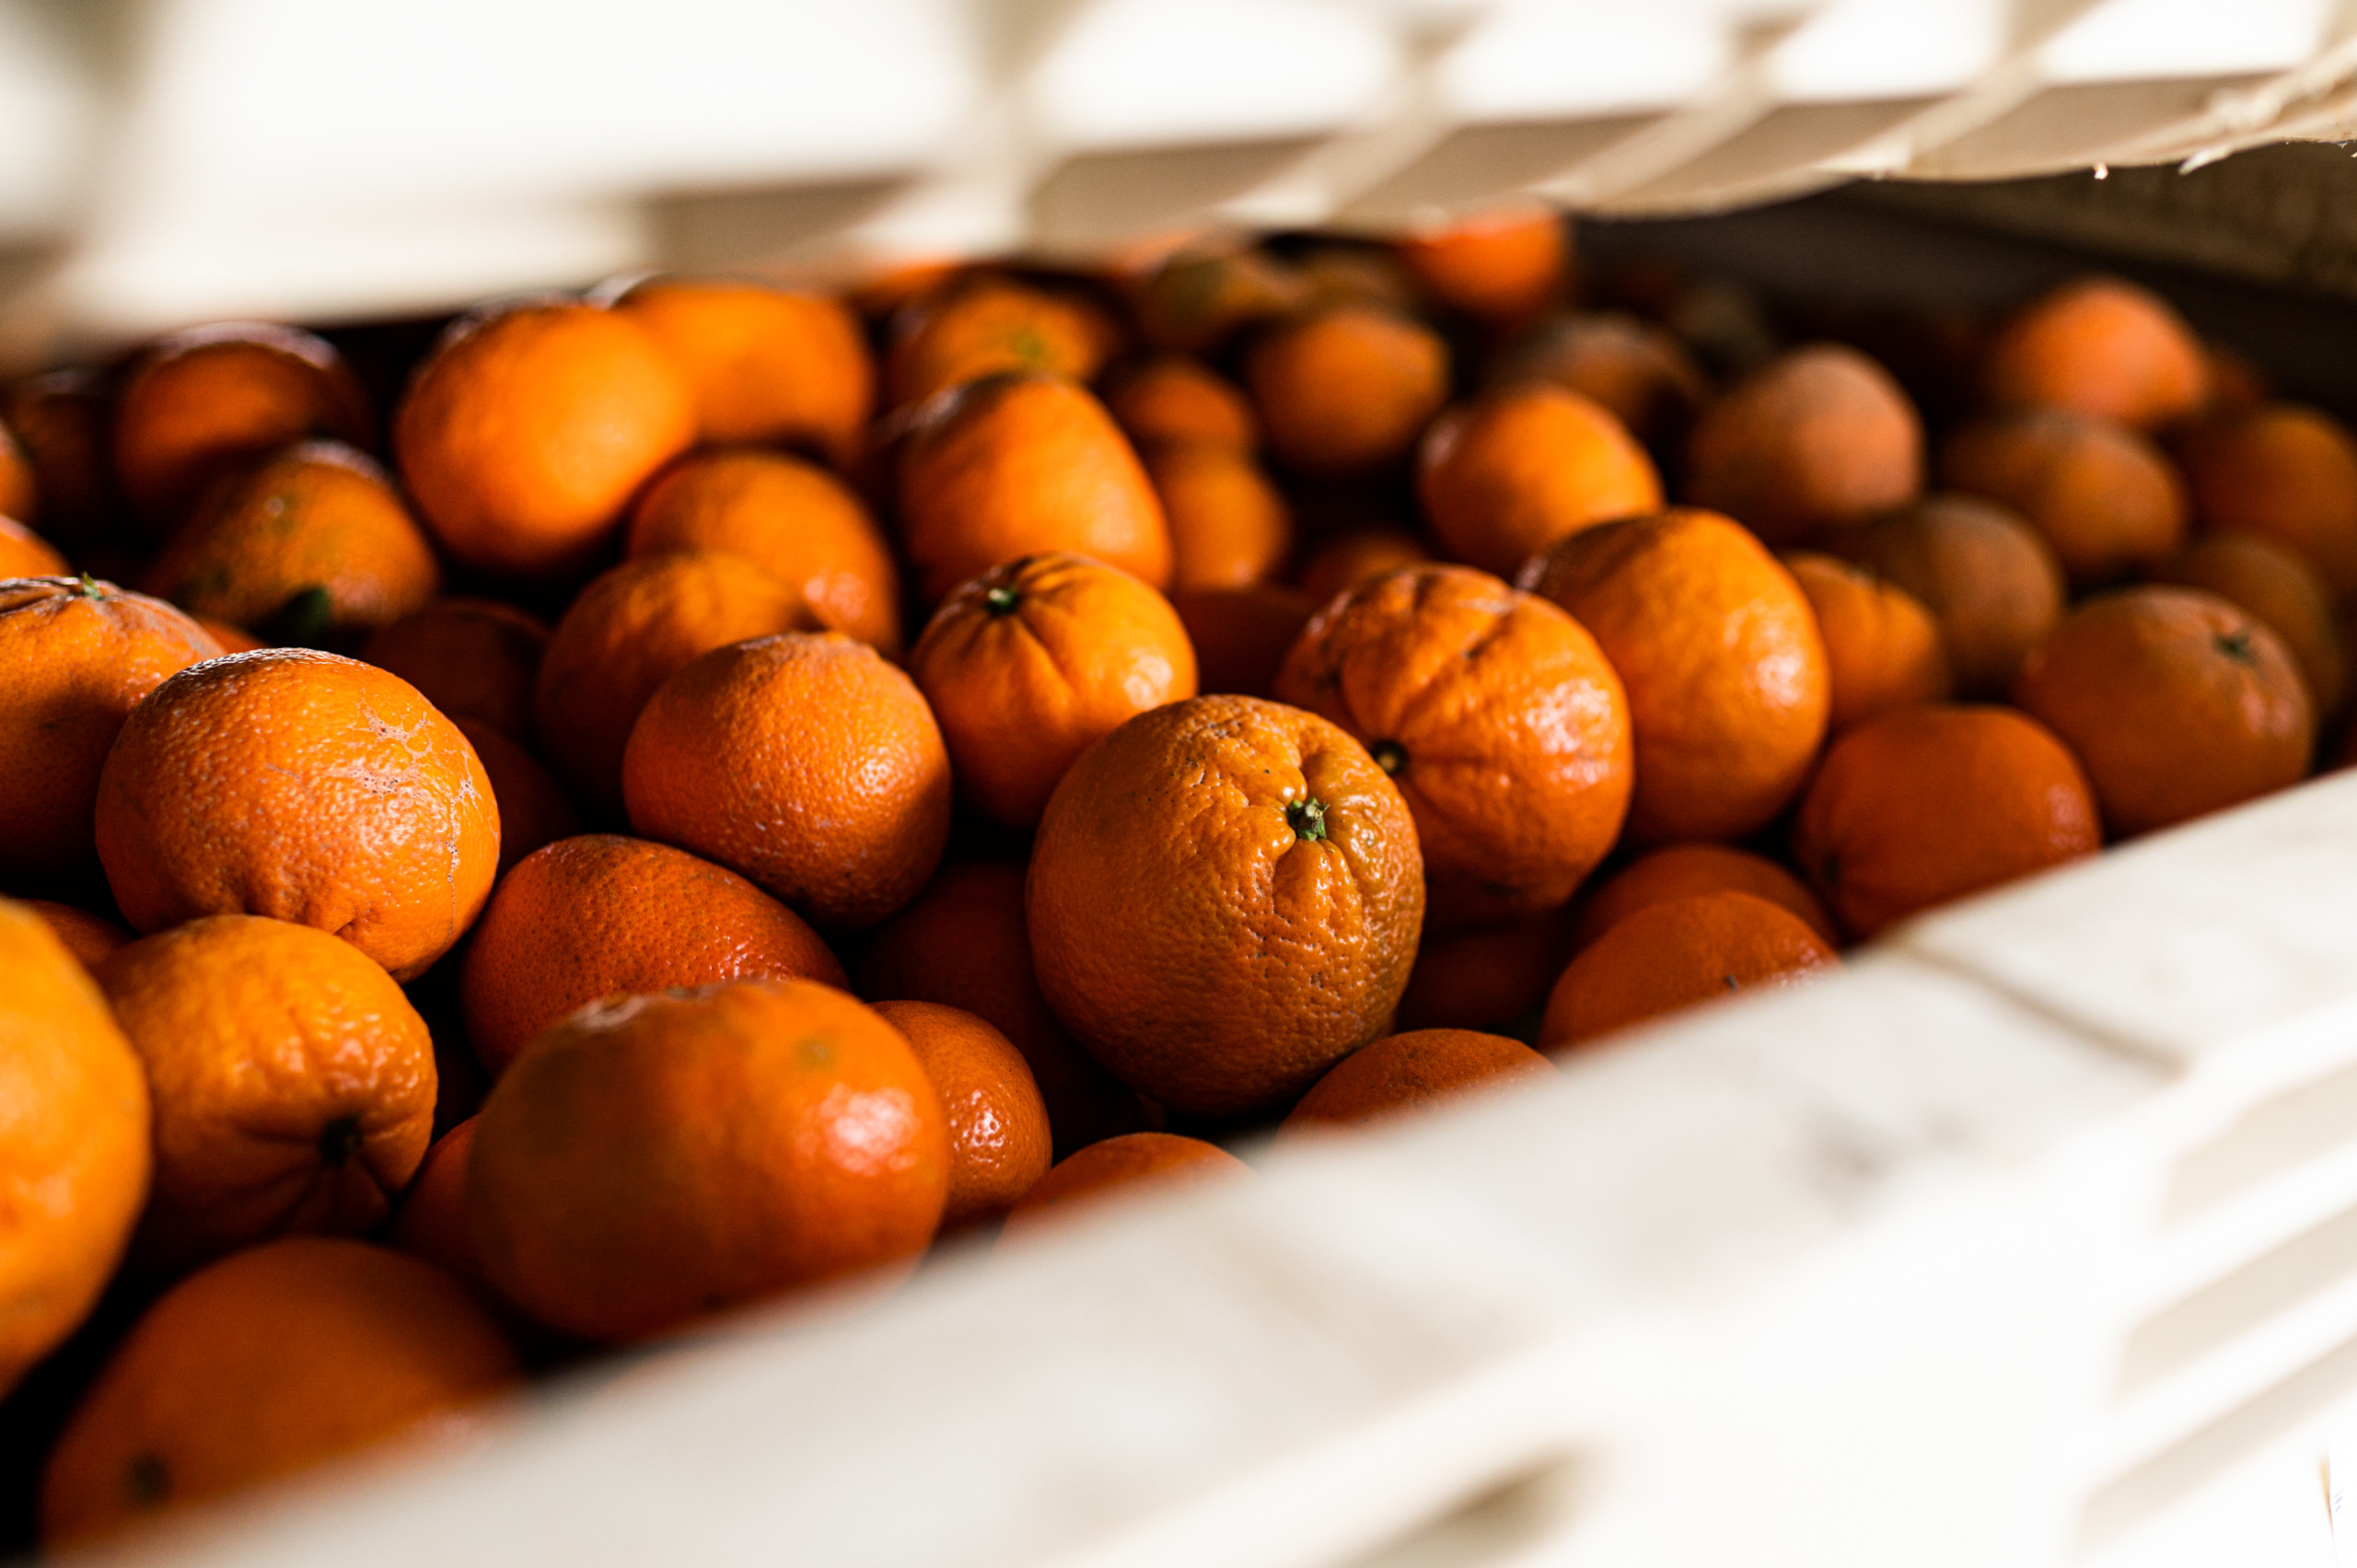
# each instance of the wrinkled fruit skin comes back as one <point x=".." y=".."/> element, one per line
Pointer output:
<point x="305" y="788"/>
<point x="1207" y="952"/>
<point x="1496" y="715"/>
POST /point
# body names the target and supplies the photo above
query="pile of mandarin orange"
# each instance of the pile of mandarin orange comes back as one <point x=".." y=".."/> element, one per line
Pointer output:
<point x="726" y="786"/>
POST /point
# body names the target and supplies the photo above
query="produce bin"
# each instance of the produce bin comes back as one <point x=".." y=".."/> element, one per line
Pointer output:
<point x="2029" y="1238"/>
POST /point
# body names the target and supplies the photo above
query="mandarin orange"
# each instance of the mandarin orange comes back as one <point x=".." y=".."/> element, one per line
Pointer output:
<point x="527" y="429"/>
<point x="77" y="657"/>
<point x="294" y="1083"/>
<point x="1674" y="955"/>
<point x="1935" y="802"/>
<point x="263" y="1365"/>
<point x="1495" y="714"/>
<point x="791" y="517"/>
<point x="1404" y="1072"/>
<point x="1720" y="656"/>
<point x="305" y="788"/>
<point x="762" y="363"/>
<point x="999" y="1143"/>
<point x="1504" y="476"/>
<point x="1026" y="666"/>
<point x="656" y="1160"/>
<point x="807" y="763"/>
<point x="601" y="916"/>
<point x="1268" y="864"/>
<point x="1010" y="466"/>
<point x="74" y="1145"/>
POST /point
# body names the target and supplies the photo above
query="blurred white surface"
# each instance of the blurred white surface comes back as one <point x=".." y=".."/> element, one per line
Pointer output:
<point x="166" y="161"/>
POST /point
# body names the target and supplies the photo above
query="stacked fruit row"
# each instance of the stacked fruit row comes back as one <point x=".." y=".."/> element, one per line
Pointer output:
<point x="1314" y="705"/>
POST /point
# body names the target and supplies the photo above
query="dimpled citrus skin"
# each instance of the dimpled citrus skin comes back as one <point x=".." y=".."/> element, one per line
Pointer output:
<point x="201" y="401"/>
<point x="1934" y="803"/>
<point x="1671" y="956"/>
<point x="77" y="657"/>
<point x="630" y="631"/>
<point x="1028" y="663"/>
<point x="601" y="916"/>
<point x="1497" y="717"/>
<point x="294" y="1083"/>
<point x="1010" y="466"/>
<point x="762" y="364"/>
<point x="1721" y="657"/>
<point x="1412" y="1072"/>
<point x="1506" y="476"/>
<point x="1682" y="871"/>
<point x="2175" y="702"/>
<point x="659" y="1159"/>
<point x="1188" y="929"/>
<point x="305" y="788"/>
<point x="262" y="1364"/>
<point x="74" y="1141"/>
<point x="528" y="427"/>
<point x="798" y="522"/>
<point x="317" y="517"/>
<point x="807" y="763"/>
<point x="1120" y="1167"/>
<point x="999" y="1143"/>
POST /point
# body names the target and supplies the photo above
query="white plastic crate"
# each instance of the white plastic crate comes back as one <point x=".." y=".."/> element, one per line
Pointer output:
<point x="339" y="158"/>
<point x="2030" y="1239"/>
